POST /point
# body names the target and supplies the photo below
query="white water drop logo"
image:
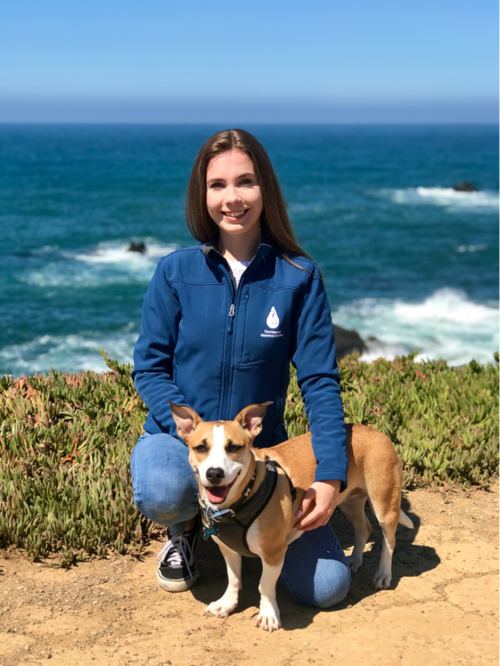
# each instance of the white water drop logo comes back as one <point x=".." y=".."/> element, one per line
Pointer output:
<point x="273" y="321"/>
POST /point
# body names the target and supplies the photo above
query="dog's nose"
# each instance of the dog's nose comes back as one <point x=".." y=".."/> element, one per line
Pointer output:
<point x="215" y="475"/>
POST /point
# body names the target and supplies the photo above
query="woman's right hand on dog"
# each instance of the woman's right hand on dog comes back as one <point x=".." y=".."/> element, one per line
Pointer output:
<point x="320" y="501"/>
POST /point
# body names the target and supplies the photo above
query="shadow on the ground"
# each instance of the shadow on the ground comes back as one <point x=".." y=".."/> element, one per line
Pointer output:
<point x="409" y="561"/>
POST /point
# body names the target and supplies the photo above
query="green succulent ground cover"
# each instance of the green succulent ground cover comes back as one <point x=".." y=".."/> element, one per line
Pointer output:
<point x="65" y="443"/>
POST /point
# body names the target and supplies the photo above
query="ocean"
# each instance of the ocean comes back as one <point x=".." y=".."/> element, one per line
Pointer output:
<point x="408" y="262"/>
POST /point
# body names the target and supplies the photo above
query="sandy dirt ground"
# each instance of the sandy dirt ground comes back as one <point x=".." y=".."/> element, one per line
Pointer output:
<point x="442" y="607"/>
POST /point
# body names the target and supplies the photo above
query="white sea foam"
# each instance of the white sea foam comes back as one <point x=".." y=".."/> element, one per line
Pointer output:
<point x="445" y="325"/>
<point x="108" y="263"/>
<point x="118" y="253"/>
<point x="471" y="248"/>
<point x="71" y="353"/>
<point x="445" y="197"/>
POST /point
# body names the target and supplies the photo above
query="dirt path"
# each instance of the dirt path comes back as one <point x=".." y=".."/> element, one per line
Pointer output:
<point x="442" y="608"/>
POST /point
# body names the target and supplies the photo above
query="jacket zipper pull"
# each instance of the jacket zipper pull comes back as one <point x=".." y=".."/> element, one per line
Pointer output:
<point x="231" y="319"/>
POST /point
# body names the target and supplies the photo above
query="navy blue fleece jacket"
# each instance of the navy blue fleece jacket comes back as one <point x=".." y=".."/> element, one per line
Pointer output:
<point x="205" y="344"/>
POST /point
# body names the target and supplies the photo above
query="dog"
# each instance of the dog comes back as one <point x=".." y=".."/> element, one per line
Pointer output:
<point x="231" y="474"/>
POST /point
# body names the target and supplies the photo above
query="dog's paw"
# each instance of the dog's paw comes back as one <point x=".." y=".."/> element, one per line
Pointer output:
<point x="382" y="580"/>
<point x="220" y="608"/>
<point x="268" y="621"/>
<point x="355" y="562"/>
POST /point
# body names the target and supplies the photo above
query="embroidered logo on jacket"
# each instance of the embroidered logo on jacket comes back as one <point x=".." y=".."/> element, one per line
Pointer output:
<point x="272" y="321"/>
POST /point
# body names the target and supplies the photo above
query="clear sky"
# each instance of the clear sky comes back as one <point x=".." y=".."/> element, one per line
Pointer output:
<point x="260" y="61"/>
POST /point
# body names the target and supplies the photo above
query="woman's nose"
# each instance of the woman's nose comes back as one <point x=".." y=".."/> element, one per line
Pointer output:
<point x="233" y="195"/>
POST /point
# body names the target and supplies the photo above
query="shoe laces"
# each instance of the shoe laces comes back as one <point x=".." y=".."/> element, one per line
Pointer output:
<point x="176" y="552"/>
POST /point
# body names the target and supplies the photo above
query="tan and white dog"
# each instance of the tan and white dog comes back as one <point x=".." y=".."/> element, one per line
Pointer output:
<point x="224" y="461"/>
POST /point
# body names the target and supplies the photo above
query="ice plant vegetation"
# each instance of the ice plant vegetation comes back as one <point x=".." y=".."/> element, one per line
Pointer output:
<point x="66" y="439"/>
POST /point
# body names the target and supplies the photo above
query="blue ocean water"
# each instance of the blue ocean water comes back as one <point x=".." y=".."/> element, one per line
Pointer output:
<point x="405" y="258"/>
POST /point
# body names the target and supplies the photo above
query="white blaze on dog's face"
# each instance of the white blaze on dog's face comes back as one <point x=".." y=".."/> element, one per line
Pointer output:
<point x="220" y="457"/>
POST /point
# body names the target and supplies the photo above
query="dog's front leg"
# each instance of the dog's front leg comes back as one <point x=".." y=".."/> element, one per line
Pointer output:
<point x="269" y="615"/>
<point x="229" y="600"/>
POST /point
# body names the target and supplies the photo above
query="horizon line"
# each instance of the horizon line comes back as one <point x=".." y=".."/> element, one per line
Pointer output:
<point x="250" y="122"/>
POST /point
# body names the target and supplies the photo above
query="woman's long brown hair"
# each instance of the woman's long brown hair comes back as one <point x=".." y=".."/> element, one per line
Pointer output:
<point x="275" y="223"/>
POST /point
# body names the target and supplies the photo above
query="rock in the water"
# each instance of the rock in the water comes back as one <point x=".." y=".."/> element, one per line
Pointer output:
<point x="347" y="342"/>
<point x="137" y="247"/>
<point x="465" y="187"/>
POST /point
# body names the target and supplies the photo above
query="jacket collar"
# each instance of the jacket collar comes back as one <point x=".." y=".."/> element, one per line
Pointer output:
<point x="210" y="251"/>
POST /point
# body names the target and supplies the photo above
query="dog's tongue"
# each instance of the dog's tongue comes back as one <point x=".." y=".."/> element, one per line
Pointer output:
<point x="217" y="494"/>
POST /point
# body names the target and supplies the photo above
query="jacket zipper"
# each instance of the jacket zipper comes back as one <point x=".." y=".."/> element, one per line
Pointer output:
<point x="231" y="319"/>
<point x="227" y="384"/>
<point x="226" y="397"/>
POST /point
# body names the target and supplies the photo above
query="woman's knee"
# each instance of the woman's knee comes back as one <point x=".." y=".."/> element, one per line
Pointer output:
<point x="165" y="488"/>
<point x="334" y="588"/>
<point x="316" y="570"/>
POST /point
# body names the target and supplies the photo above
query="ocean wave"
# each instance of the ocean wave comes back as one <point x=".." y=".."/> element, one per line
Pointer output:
<point x="445" y="325"/>
<point x="444" y="196"/>
<point x="108" y="263"/>
<point x="71" y="353"/>
<point x="471" y="248"/>
<point x="117" y="253"/>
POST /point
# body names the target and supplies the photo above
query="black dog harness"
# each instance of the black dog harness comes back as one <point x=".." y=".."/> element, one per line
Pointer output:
<point x="231" y="525"/>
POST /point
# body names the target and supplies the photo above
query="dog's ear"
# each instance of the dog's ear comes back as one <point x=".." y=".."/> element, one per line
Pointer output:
<point x="251" y="418"/>
<point x="186" y="420"/>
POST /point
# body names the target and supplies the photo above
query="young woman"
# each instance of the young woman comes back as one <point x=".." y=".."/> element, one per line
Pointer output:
<point x="221" y="323"/>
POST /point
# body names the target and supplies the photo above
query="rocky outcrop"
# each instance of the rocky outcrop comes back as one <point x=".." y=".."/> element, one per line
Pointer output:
<point x="465" y="187"/>
<point x="347" y="342"/>
<point x="137" y="247"/>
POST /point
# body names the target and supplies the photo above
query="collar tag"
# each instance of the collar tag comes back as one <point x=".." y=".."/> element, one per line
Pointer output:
<point x="210" y="531"/>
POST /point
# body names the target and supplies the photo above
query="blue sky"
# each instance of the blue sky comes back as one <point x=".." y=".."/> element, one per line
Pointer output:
<point x="260" y="61"/>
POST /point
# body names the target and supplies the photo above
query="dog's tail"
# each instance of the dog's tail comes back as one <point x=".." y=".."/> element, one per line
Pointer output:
<point x="404" y="520"/>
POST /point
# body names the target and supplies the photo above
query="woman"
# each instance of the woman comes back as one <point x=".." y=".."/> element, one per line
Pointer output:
<point x="221" y="323"/>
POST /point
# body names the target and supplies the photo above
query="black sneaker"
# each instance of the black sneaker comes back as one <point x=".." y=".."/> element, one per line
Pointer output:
<point x="177" y="569"/>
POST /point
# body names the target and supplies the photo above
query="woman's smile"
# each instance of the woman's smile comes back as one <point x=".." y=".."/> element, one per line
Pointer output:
<point x="233" y="214"/>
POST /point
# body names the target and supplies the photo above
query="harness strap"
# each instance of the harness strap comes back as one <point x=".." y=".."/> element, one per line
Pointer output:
<point x="257" y="507"/>
<point x="293" y="491"/>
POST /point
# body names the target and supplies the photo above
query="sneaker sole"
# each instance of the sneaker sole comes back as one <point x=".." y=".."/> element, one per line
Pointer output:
<point x="176" y="585"/>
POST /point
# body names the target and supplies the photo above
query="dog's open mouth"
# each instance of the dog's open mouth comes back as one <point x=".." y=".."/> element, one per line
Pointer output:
<point x="217" y="494"/>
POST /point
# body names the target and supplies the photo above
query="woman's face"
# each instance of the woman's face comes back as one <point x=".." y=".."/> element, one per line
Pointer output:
<point x="234" y="199"/>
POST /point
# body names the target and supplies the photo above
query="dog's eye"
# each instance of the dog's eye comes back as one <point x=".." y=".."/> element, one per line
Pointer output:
<point x="233" y="448"/>
<point x="201" y="448"/>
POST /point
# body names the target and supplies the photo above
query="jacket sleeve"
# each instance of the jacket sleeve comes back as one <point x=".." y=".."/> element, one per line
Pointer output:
<point x="319" y="381"/>
<point x="154" y="350"/>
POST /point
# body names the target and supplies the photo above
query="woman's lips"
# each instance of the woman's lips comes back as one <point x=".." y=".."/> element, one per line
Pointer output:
<point x="235" y="215"/>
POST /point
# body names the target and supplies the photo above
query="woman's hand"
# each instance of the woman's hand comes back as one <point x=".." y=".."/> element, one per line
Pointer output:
<point x="318" y="505"/>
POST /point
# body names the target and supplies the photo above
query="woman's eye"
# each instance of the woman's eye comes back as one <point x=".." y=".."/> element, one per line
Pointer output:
<point x="246" y="181"/>
<point x="215" y="186"/>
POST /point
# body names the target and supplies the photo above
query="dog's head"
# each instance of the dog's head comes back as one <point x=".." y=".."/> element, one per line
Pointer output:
<point x="220" y="451"/>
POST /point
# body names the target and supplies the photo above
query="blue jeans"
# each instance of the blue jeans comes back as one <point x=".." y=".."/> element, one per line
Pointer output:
<point x="166" y="491"/>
